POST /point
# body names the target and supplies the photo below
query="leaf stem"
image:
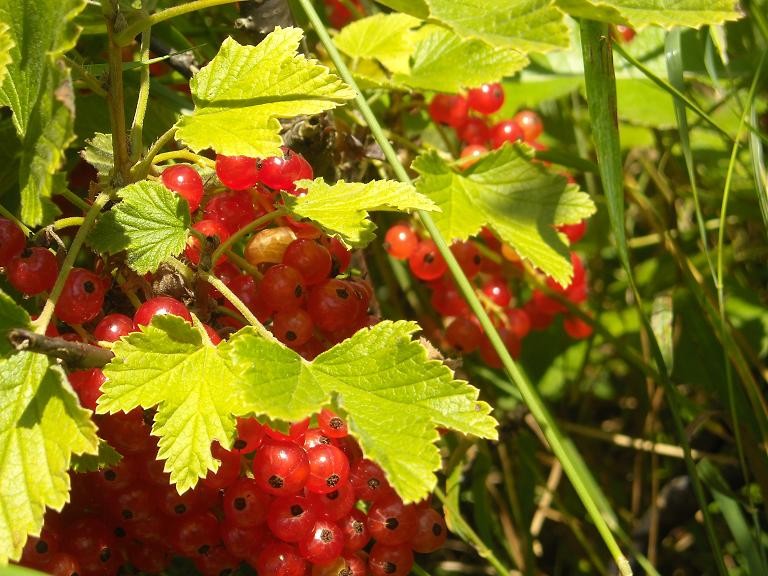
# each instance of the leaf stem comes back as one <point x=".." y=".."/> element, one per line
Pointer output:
<point x="90" y="80"/>
<point x="125" y="36"/>
<point x="184" y="155"/>
<point x="137" y="126"/>
<point x="571" y="460"/>
<point x="74" y="199"/>
<point x="141" y="168"/>
<point x="116" y="99"/>
<point x="44" y="319"/>
<point x="255" y="225"/>
<point x="75" y="354"/>
<point x="68" y="222"/>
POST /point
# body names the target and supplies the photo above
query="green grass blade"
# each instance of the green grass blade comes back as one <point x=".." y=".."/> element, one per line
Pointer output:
<point x="570" y="459"/>
<point x="758" y="165"/>
<point x="601" y="97"/>
<point x="674" y="56"/>
<point x="667" y="87"/>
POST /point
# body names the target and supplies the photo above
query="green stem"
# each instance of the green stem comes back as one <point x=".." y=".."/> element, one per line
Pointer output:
<point x="7" y="214"/>
<point x="44" y="319"/>
<point x="462" y="526"/>
<point x="74" y="199"/>
<point x="570" y="459"/>
<point x="141" y="169"/>
<point x="256" y="224"/>
<point x="68" y="222"/>
<point x="90" y="80"/>
<point x="184" y="155"/>
<point x="129" y="33"/>
<point x="137" y="126"/>
<point x="116" y="99"/>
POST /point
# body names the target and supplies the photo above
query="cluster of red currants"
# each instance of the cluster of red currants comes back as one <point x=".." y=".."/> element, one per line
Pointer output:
<point x="287" y="504"/>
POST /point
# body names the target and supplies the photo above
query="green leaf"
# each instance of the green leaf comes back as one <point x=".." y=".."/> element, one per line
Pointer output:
<point x="389" y="38"/>
<point x="242" y="92"/>
<point x="444" y="62"/>
<point x="416" y="8"/>
<point x="41" y="426"/>
<point x="167" y="365"/>
<point x="517" y="199"/>
<point x="6" y="43"/>
<point x="105" y="457"/>
<point x="341" y="209"/>
<point x="641" y="13"/>
<point x="40" y="30"/>
<point x="98" y="153"/>
<point x="525" y="25"/>
<point x="150" y="222"/>
<point x="393" y="395"/>
<point x="11" y="316"/>
<point x="49" y="133"/>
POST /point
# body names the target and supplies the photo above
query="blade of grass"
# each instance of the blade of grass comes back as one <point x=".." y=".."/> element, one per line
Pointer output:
<point x="601" y="97"/>
<point x="674" y="57"/>
<point x="667" y="87"/>
<point x="758" y="165"/>
<point x="578" y="473"/>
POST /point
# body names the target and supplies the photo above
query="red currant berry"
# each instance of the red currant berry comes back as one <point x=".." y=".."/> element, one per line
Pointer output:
<point x="186" y="182"/>
<point x="324" y="542"/>
<point x="281" y="468"/>
<point x="246" y="288"/>
<point x="332" y="305"/>
<point x="245" y="504"/>
<point x="33" y="271"/>
<point x="576" y="328"/>
<point x="12" y="241"/>
<point x="280" y="172"/>
<point x="82" y="298"/>
<point x="63" y="564"/>
<point x="233" y="210"/>
<point x="574" y="232"/>
<point x="295" y="433"/>
<point x="426" y="263"/>
<point x="446" y="298"/>
<point x="290" y="518"/>
<point x="390" y="560"/>
<point x="332" y="425"/>
<point x="400" y="241"/>
<point x="474" y="132"/>
<point x="449" y="109"/>
<point x="368" y="480"/>
<point x="160" y="306"/>
<point x="505" y="131"/>
<point x="214" y="232"/>
<point x="250" y="435"/>
<point x="464" y="335"/>
<point x="39" y="550"/>
<point x="624" y="33"/>
<point x="113" y="327"/>
<point x="468" y="257"/>
<point x="312" y="260"/>
<point x="229" y="469"/>
<point x="333" y="505"/>
<point x="237" y="172"/>
<point x="196" y="534"/>
<point x="530" y="123"/>
<point x="328" y="469"/>
<point x="471" y="154"/>
<point x="87" y="384"/>
<point x="497" y="291"/>
<point x="293" y="328"/>
<point x="282" y="288"/>
<point x="356" y="535"/>
<point x="518" y="322"/>
<point x="281" y="559"/>
<point x="390" y="521"/>
<point x="486" y="99"/>
<point x="340" y="256"/>
<point x="431" y="531"/>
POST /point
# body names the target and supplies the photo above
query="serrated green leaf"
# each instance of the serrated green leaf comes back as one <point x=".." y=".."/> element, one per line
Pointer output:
<point x="444" y="62"/>
<point x="525" y="25"/>
<point x="393" y="395"/>
<point x="41" y="426"/>
<point x="6" y="43"/>
<point x="105" y="457"/>
<point x="150" y="222"/>
<point x="99" y="154"/>
<point x="40" y="30"/>
<point x="341" y="209"/>
<point x="416" y="8"/>
<point x="389" y="38"/>
<point x="167" y="365"/>
<point x="50" y="132"/>
<point x="242" y="92"/>
<point x="641" y="13"/>
<point x="11" y="316"/>
<point x="517" y="199"/>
